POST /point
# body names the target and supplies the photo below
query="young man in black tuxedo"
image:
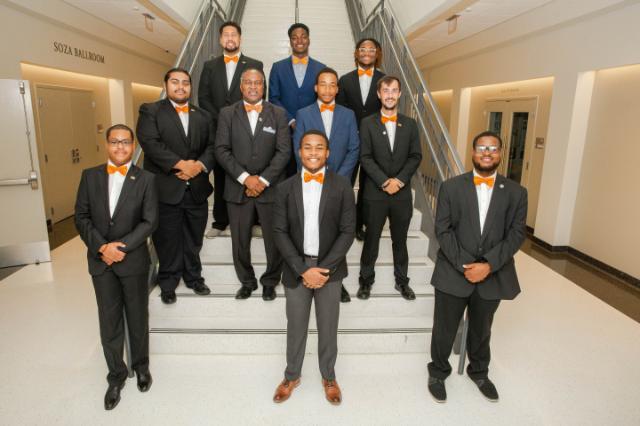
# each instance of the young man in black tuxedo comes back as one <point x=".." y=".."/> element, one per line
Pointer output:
<point x="480" y="225"/>
<point x="390" y="154"/>
<point x="178" y="143"/>
<point x="116" y="211"/>
<point x="314" y="226"/>
<point x="220" y="87"/>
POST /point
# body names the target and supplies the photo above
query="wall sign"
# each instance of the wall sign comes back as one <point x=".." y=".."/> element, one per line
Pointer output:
<point x="66" y="49"/>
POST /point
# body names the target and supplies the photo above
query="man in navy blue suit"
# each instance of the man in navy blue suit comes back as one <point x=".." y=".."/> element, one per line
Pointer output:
<point x="292" y="80"/>
<point x="335" y="121"/>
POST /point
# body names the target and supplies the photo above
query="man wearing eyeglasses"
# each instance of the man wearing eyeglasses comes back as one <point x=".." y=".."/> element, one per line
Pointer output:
<point x="480" y="225"/>
<point x="116" y="211"/>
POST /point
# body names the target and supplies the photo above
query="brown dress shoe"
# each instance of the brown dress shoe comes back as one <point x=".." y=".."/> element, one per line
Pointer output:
<point x="332" y="391"/>
<point x="285" y="389"/>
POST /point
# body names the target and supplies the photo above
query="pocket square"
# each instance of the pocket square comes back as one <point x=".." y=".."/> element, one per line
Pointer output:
<point x="269" y="130"/>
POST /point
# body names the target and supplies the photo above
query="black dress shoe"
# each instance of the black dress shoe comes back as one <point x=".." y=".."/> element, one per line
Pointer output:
<point x="406" y="291"/>
<point x="268" y="293"/>
<point x="112" y="397"/>
<point x="437" y="389"/>
<point x="168" y="297"/>
<point x="487" y="388"/>
<point x="360" y="235"/>
<point x="344" y="296"/>
<point x="199" y="288"/>
<point x="244" y="292"/>
<point x="364" y="292"/>
<point x="144" y="381"/>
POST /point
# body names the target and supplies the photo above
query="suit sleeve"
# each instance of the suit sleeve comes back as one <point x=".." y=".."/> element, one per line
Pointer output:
<point x="347" y="232"/>
<point x="205" y="96"/>
<point x="445" y="234"/>
<point x="274" y="90"/>
<point x="283" y="148"/>
<point x="208" y="155"/>
<point x="149" y="137"/>
<point x="84" y="220"/>
<point x="504" y="251"/>
<point x="148" y="218"/>
<point x="281" y="234"/>
<point x="367" y="161"/>
<point x="297" y="136"/>
<point x="414" y="157"/>
<point x="353" y="148"/>
<point x="223" y="152"/>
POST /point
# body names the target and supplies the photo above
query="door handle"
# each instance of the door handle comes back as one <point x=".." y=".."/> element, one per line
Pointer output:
<point x="32" y="180"/>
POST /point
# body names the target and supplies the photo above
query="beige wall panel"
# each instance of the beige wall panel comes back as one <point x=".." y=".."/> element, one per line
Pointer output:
<point x="443" y="100"/>
<point x="142" y="94"/>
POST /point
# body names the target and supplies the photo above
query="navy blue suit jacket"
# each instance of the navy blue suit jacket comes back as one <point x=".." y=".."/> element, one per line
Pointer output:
<point x="344" y="142"/>
<point x="284" y="90"/>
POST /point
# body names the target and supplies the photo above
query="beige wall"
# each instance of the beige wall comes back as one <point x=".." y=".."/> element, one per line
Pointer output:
<point x="443" y="99"/>
<point x="607" y="210"/>
<point x="142" y="94"/>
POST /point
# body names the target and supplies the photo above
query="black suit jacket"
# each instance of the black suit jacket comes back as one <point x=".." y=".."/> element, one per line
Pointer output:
<point x="134" y="218"/>
<point x="337" y="217"/>
<point x="380" y="163"/>
<point x="349" y="95"/>
<point x="238" y="150"/>
<point x="164" y="143"/>
<point x="457" y="228"/>
<point x="212" y="90"/>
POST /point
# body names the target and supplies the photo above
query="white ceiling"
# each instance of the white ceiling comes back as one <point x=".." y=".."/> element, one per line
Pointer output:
<point x="127" y="16"/>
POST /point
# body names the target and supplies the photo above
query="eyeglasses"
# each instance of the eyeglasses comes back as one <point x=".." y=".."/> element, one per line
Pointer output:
<point x="482" y="149"/>
<point x="367" y="50"/>
<point x="123" y="142"/>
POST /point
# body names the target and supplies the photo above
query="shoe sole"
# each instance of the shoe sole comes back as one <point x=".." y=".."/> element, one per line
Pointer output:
<point x="280" y="401"/>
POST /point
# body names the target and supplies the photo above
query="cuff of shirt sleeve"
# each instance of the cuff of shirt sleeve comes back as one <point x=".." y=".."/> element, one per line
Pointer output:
<point x="293" y="120"/>
<point x="263" y="180"/>
<point x="243" y="177"/>
<point x="204" y="168"/>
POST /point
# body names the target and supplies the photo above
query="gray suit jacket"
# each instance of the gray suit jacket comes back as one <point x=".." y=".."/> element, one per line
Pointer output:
<point x="457" y="228"/>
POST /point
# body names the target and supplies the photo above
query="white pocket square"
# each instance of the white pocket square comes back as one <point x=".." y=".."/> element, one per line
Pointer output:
<point x="269" y="130"/>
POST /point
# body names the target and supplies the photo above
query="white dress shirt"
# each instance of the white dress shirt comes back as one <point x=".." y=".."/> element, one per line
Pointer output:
<point x="365" y="85"/>
<point x="327" y="118"/>
<point x="116" y="182"/>
<point x="253" y="122"/>
<point x="311" y="192"/>
<point x="231" y="69"/>
<point x="299" y="70"/>
<point x="484" y="198"/>
<point x="391" y="131"/>
<point x="184" y="117"/>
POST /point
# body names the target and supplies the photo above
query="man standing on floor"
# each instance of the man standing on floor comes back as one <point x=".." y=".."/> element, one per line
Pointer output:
<point x="314" y="226"/>
<point x="292" y="79"/>
<point x="177" y="140"/>
<point x="480" y="225"/>
<point x="116" y="211"/>
<point x="220" y="87"/>
<point x="357" y="91"/>
<point x="390" y="154"/>
<point x="338" y="123"/>
<point x="253" y="146"/>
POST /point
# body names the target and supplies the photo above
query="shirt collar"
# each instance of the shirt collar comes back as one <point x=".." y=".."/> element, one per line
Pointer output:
<point x="257" y="103"/>
<point x="493" y="176"/>
<point x="176" y="105"/>
<point x="385" y="115"/>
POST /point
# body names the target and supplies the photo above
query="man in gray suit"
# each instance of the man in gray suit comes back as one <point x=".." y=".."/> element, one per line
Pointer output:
<point x="253" y="146"/>
<point x="314" y="224"/>
<point x="480" y="225"/>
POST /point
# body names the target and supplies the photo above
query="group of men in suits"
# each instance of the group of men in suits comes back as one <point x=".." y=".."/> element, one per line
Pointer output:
<point x="272" y="164"/>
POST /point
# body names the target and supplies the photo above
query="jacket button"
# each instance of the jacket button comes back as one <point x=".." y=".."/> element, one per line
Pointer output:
<point x="111" y="223"/>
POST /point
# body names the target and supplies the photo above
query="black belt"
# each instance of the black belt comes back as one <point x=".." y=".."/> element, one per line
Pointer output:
<point x="310" y="257"/>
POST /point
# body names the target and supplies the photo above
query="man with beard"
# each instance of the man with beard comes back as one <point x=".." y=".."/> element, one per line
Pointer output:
<point x="177" y="139"/>
<point x="253" y="146"/>
<point x="219" y="87"/>
<point x="389" y="154"/>
<point x="480" y="225"/>
<point x="292" y="79"/>
<point x="357" y="91"/>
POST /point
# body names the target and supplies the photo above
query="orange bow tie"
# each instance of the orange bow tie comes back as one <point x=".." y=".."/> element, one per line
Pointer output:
<point x="478" y="180"/>
<point x="319" y="177"/>
<point x="297" y="60"/>
<point x="325" y="107"/>
<point x="228" y="59"/>
<point x="393" y="118"/>
<point x="112" y="169"/>
<point x="249" y="108"/>
<point x="184" y="109"/>
<point x="362" y="72"/>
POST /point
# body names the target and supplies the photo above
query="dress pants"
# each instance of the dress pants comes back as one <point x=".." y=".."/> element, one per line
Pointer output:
<point x="359" y="200"/>
<point x="178" y="241"/>
<point x="447" y="314"/>
<point x="327" y="301"/>
<point x="220" y="216"/>
<point x="114" y="293"/>
<point x="241" y="218"/>
<point x="375" y="213"/>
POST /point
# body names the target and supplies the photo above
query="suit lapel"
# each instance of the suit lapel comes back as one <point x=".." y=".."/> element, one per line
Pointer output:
<point x="472" y="203"/>
<point x="355" y="80"/>
<point x="316" y="117"/>
<point x="297" y="194"/>
<point x="129" y="181"/>
<point x="383" y="132"/>
<point x="400" y="133"/>
<point x="103" y="188"/>
<point x="221" y="70"/>
<point x="498" y="198"/>
<point x="292" y="75"/>
<point x="373" y="89"/>
<point x="193" y="128"/>
<point x="242" y="62"/>
<point x="328" y="180"/>
<point x="335" y="122"/>
<point x="241" y="115"/>
<point x="261" y="117"/>
<point x="307" y="73"/>
<point x="173" y="116"/>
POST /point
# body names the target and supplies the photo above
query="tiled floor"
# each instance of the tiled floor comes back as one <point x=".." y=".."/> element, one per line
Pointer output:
<point x="560" y="356"/>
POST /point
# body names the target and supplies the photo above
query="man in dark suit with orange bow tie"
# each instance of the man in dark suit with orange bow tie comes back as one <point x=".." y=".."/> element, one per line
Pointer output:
<point x="116" y="211"/>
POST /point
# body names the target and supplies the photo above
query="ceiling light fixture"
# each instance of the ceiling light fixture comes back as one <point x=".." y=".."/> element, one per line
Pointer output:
<point x="452" y="23"/>
<point x="148" y="21"/>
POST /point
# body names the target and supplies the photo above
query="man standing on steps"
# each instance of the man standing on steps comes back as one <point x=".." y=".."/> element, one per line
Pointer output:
<point x="314" y="226"/>
<point x="480" y="225"/>
<point x="177" y="139"/>
<point x="220" y="87"/>
<point x="357" y="91"/>
<point x="292" y="79"/>
<point x="253" y="146"/>
<point x="116" y="211"/>
<point x="390" y="154"/>
<point x="338" y="123"/>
